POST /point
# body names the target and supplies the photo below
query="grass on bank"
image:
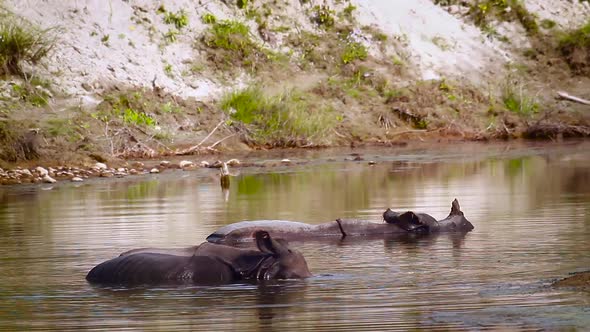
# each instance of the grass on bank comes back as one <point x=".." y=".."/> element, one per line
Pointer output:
<point x="22" y="42"/>
<point x="228" y="44"/>
<point x="285" y="120"/>
<point x="516" y="99"/>
<point x="575" y="47"/>
<point x="484" y="11"/>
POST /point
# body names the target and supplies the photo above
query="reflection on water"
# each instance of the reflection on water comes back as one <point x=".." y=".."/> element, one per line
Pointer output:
<point x="530" y="206"/>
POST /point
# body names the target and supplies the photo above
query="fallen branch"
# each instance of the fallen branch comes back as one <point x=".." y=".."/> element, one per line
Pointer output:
<point x="565" y="95"/>
<point x="198" y="146"/>
<point x="221" y="140"/>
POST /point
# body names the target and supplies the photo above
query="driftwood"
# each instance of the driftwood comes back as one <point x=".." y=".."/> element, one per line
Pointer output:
<point x="566" y="96"/>
<point x="199" y="147"/>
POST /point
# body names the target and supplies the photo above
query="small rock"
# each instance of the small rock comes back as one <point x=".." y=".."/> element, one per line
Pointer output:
<point x="106" y="175"/>
<point x="120" y="174"/>
<point x="101" y="166"/>
<point x="77" y="179"/>
<point x="286" y="161"/>
<point x="204" y="163"/>
<point x="138" y="164"/>
<point x="233" y="162"/>
<point x="26" y="173"/>
<point x="120" y="169"/>
<point x="42" y="171"/>
<point x="154" y="170"/>
<point x="165" y="163"/>
<point x="133" y="171"/>
<point x="48" y="179"/>
<point x="186" y="163"/>
<point x="372" y="162"/>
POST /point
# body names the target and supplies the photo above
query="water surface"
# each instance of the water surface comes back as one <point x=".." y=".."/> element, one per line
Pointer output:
<point x="530" y="205"/>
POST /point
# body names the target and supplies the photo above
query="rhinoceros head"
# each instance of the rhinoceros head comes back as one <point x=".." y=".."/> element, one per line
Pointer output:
<point x="283" y="262"/>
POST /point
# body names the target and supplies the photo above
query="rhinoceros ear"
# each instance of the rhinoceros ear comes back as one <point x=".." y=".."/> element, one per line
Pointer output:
<point x="267" y="244"/>
<point x="391" y="217"/>
<point x="455" y="208"/>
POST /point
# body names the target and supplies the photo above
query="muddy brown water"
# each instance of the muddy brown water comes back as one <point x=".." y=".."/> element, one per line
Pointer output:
<point x="530" y="205"/>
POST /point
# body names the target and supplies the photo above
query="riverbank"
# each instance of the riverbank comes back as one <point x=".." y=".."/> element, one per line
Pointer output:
<point x="137" y="79"/>
<point x="281" y="160"/>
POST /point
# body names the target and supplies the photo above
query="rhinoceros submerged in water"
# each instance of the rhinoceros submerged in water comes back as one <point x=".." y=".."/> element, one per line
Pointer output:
<point x="207" y="263"/>
<point x="395" y="223"/>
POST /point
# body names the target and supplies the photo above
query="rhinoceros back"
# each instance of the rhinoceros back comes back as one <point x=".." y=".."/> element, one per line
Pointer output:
<point x="153" y="268"/>
<point x="242" y="231"/>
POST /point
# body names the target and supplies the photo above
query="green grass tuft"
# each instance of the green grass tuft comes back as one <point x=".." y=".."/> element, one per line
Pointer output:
<point x="354" y="51"/>
<point x="285" y="120"/>
<point x="516" y="100"/>
<point x="178" y="19"/>
<point x="22" y="42"/>
<point x="229" y="35"/>
<point x="208" y="18"/>
<point x="138" y="118"/>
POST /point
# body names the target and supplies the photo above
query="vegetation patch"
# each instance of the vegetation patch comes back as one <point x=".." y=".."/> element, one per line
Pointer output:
<point x="128" y="108"/>
<point x="323" y="16"/>
<point x="354" y="51"/>
<point x="285" y="120"/>
<point x="178" y="19"/>
<point x="18" y="142"/>
<point x="329" y="50"/>
<point x="242" y="4"/>
<point x="575" y="48"/>
<point x="208" y="18"/>
<point x="484" y="11"/>
<point x="228" y="44"/>
<point x="37" y="95"/>
<point x="517" y="100"/>
<point x="22" y="42"/>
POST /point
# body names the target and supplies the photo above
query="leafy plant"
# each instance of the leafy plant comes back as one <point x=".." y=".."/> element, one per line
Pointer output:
<point x="178" y="19"/>
<point x="105" y="39"/>
<point x="170" y="36"/>
<point x="138" y="118"/>
<point x="208" y="18"/>
<point x="22" y="42"/>
<point x="323" y="16"/>
<point x="348" y="10"/>
<point x="168" y="69"/>
<point x="354" y="51"/>
<point x="548" y="24"/>
<point x="242" y="4"/>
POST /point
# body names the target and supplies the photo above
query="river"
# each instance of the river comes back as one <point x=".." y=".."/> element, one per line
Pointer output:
<point x="529" y="203"/>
